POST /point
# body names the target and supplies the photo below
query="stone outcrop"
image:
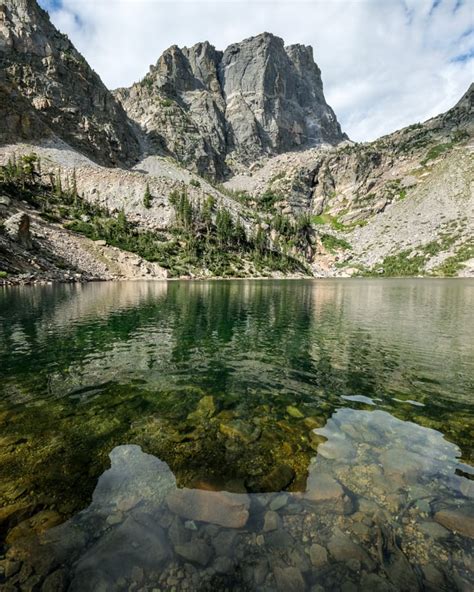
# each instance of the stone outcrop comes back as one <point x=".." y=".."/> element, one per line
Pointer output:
<point x="274" y="98"/>
<point x="18" y="229"/>
<point x="47" y="88"/>
<point x="216" y="111"/>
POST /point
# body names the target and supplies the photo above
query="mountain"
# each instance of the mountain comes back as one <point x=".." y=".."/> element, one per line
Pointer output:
<point x="60" y="95"/>
<point x="220" y="111"/>
<point x="216" y="164"/>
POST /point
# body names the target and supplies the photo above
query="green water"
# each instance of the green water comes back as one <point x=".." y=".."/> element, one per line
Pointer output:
<point x="250" y="387"/>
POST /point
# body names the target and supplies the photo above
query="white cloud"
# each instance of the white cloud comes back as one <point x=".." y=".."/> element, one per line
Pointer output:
<point x="385" y="63"/>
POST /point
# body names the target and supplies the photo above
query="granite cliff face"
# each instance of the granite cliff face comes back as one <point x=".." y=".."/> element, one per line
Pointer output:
<point x="218" y="111"/>
<point x="48" y="89"/>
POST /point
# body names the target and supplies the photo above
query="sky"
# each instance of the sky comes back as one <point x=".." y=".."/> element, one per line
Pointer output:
<point x="385" y="63"/>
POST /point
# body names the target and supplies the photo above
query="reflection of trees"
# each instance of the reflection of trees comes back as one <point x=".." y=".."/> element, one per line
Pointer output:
<point x="304" y="342"/>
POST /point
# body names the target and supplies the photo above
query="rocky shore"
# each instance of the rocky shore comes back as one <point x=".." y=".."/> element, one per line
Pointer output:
<point x="36" y="251"/>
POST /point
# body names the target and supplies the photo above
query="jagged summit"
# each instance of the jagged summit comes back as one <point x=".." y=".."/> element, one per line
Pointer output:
<point x="221" y="109"/>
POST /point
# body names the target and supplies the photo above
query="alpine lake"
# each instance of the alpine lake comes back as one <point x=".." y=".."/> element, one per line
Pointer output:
<point x="237" y="435"/>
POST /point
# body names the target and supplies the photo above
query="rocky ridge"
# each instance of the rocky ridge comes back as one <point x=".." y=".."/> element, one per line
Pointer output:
<point x="409" y="192"/>
<point x="59" y="94"/>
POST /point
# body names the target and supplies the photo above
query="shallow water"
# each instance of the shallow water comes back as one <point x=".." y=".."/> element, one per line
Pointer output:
<point x="126" y="410"/>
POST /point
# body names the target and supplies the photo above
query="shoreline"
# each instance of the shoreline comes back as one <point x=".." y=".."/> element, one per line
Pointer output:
<point x="44" y="280"/>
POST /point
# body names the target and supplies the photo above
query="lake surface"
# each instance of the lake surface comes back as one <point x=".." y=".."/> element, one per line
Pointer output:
<point x="237" y="435"/>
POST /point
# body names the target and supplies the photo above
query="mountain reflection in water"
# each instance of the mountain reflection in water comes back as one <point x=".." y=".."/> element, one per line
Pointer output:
<point x="384" y="508"/>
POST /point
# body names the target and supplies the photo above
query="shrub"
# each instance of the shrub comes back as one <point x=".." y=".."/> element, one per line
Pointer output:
<point x="333" y="243"/>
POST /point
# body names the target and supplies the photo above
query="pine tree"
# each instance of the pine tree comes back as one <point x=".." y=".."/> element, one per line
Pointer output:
<point x="224" y="227"/>
<point x="122" y="220"/>
<point x="58" y="187"/>
<point x="147" y="197"/>
<point x="260" y="241"/>
<point x="74" y="193"/>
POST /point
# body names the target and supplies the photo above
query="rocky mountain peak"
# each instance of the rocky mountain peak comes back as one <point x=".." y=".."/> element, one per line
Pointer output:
<point x="223" y="110"/>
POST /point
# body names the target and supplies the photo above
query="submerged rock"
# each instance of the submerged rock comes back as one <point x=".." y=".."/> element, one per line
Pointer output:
<point x="271" y="521"/>
<point x="289" y="579"/>
<point x="324" y="489"/>
<point x="222" y="508"/>
<point x="318" y="555"/>
<point x="224" y="542"/>
<point x="459" y="520"/>
<point x="401" y="464"/>
<point x="294" y="412"/>
<point x="132" y="544"/>
<point x="205" y="409"/>
<point x="276" y="480"/>
<point x="342" y="548"/>
<point x="240" y="430"/>
<point x="434" y="530"/>
<point x="278" y="502"/>
<point x="195" y="551"/>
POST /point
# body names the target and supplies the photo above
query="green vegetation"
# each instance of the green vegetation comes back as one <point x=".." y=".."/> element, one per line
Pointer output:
<point x="409" y="263"/>
<point x="147" y="83"/>
<point x="328" y="219"/>
<point x="195" y="183"/>
<point x="333" y="243"/>
<point x="212" y="239"/>
<point x="242" y="197"/>
<point x="277" y="177"/>
<point x="394" y="189"/>
<point x="416" y="141"/>
<point x="414" y="126"/>
<point x="3" y="274"/>
<point x="436" y="151"/>
<point x="459" y="135"/>
<point x="268" y="199"/>
<point x="452" y="265"/>
<point x="147" y="197"/>
<point x="204" y="236"/>
<point x="439" y="149"/>
<point x="403" y="264"/>
<point x="442" y="244"/>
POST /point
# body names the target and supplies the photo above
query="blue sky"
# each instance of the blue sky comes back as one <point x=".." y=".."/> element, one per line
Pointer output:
<point x="385" y="63"/>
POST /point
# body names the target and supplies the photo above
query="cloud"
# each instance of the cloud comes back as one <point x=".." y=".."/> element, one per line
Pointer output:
<point x="385" y="63"/>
